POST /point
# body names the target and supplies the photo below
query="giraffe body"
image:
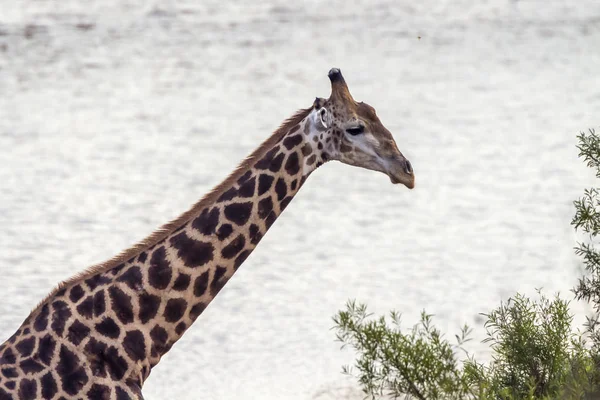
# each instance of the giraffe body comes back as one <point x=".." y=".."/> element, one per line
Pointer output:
<point x="99" y="334"/>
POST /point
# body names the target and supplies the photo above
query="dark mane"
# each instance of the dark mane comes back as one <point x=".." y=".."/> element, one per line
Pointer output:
<point x="168" y="228"/>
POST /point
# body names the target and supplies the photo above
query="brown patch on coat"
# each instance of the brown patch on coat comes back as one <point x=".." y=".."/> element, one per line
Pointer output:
<point x="166" y="230"/>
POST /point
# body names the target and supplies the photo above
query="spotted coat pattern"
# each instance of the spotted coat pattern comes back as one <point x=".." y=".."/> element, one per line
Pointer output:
<point x="99" y="337"/>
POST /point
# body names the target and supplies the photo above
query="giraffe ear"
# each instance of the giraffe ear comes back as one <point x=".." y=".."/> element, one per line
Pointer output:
<point x="323" y="117"/>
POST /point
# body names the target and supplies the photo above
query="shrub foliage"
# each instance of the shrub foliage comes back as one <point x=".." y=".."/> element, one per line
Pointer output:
<point x="536" y="353"/>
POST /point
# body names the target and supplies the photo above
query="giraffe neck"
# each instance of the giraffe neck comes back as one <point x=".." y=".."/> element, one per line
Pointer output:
<point x="123" y="319"/>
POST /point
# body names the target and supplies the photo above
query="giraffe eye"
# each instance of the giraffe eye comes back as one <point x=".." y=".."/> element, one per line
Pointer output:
<point x="356" y="130"/>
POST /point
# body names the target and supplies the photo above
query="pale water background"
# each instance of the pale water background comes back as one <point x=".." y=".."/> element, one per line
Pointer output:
<point x="116" y="115"/>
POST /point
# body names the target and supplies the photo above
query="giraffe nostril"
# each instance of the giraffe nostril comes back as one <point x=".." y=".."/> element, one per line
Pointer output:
<point x="408" y="168"/>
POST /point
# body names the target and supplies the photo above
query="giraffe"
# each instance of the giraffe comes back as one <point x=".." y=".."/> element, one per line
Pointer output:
<point x="98" y="334"/>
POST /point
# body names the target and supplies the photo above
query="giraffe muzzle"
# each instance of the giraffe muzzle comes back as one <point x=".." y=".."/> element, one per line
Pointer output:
<point x="401" y="171"/>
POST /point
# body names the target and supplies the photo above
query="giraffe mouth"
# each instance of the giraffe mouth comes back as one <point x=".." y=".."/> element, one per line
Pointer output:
<point x="400" y="171"/>
<point x="408" y="181"/>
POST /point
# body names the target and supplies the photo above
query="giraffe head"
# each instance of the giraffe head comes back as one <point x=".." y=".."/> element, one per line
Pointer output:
<point x="357" y="135"/>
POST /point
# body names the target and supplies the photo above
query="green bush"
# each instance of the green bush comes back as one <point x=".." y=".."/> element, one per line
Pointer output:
<point x="587" y="221"/>
<point x="536" y="354"/>
<point x="418" y="362"/>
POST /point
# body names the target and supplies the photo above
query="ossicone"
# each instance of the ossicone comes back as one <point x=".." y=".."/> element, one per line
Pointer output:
<point x="339" y="89"/>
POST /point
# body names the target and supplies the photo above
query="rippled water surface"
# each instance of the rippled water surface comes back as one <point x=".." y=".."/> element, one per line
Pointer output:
<point x="115" y="116"/>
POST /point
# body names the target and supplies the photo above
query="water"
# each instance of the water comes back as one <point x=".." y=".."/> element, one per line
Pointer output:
<point x="115" y="116"/>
